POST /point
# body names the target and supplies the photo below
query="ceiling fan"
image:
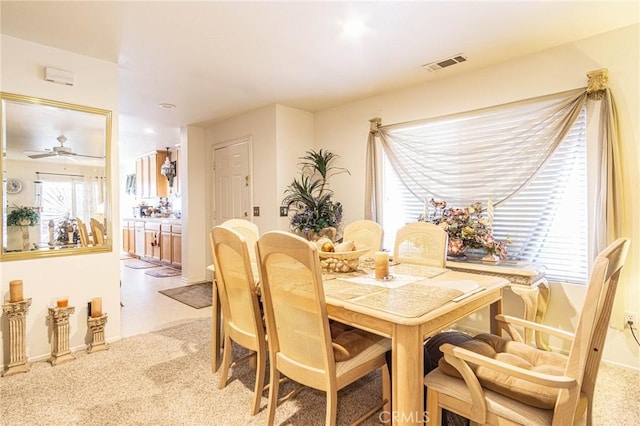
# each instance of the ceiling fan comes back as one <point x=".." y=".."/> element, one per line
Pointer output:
<point x="61" y="150"/>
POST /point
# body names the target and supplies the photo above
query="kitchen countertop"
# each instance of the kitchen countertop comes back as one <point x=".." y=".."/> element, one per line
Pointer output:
<point x="170" y="220"/>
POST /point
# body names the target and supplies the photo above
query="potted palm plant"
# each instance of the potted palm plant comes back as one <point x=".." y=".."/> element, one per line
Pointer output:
<point x="308" y="197"/>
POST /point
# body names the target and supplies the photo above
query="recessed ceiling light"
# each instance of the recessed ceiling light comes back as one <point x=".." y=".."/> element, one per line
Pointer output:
<point x="149" y="131"/>
<point x="353" y="28"/>
<point x="166" y="106"/>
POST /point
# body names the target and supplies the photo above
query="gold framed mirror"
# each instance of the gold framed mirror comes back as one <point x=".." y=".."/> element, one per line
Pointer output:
<point x="56" y="178"/>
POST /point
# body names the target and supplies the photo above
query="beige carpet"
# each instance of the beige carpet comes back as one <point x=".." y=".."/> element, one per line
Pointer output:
<point x="164" y="378"/>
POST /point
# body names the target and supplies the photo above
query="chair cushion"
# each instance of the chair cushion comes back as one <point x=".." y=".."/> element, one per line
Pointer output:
<point x="350" y="343"/>
<point x="517" y="354"/>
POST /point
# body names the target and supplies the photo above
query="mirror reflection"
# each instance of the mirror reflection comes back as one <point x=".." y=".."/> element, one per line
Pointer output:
<point x="55" y="178"/>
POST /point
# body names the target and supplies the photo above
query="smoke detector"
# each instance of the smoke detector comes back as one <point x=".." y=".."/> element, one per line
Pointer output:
<point x="444" y="63"/>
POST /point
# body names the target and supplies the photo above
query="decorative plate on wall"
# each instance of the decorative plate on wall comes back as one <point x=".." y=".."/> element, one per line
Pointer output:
<point x="13" y="186"/>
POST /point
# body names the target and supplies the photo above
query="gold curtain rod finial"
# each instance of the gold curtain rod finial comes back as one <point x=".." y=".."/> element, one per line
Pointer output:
<point x="375" y="123"/>
<point x="598" y="80"/>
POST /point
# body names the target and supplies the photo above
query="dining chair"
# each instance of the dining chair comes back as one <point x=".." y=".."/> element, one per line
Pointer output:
<point x="242" y="318"/>
<point x="249" y="231"/>
<point x="299" y="336"/>
<point x="421" y="243"/>
<point x="97" y="230"/>
<point x="494" y="380"/>
<point x="364" y="234"/>
<point x="82" y="231"/>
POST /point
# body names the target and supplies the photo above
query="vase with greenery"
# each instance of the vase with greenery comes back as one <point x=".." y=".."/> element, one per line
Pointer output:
<point x="23" y="216"/>
<point x="308" y="197"/>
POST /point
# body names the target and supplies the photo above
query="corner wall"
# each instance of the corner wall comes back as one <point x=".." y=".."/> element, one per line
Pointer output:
<point x="84" y="276"/>
<point x="344" y="130"/>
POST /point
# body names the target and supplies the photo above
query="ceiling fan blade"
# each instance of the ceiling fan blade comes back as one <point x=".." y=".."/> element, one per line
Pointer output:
<point x="90" y="156"/>
<point x="43" y="155"/>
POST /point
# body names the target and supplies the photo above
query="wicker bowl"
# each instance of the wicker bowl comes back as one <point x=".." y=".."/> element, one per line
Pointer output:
<point x="347" y="261"/>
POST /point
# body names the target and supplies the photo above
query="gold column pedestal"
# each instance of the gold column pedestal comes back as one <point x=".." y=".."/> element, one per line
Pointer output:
<point x="60" y="347"/>
<point x="97" y="339"/>
<point x="17" y="314"/>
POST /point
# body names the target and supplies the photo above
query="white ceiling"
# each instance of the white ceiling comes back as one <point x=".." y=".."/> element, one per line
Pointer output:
<point x="217" y="59"/>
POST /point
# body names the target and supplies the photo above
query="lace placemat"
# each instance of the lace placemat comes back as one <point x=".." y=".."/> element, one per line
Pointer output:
<point x="423" y="271"/>
<point x="410" y="301"/>
<point x="345" y="290"/>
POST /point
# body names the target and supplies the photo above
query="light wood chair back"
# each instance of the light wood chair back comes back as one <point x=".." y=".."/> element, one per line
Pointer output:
<point x="97" y="231"/>
<point x="575" y="388"/>
<point x="82" y="231"/>
<point x="298" y="327"/>
<point x="364" y="234"/>
<point x="242" y="318"/>
<point x="421" y="243"/>
<point x="249" y="231"/>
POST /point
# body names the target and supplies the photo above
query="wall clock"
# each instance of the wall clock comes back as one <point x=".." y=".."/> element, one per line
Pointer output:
<point x="13" y="186"/>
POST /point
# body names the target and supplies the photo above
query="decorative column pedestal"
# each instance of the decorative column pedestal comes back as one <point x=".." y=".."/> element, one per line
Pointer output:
<point x="97" y="340"/>
<point x="17" y="313"/>
<point x="60" y="321"/>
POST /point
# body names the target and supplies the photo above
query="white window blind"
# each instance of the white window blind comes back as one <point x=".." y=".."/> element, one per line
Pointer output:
<point x="546" y="220"/>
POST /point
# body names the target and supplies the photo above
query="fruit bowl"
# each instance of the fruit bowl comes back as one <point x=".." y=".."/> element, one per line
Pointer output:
<point x="340" y="261"/>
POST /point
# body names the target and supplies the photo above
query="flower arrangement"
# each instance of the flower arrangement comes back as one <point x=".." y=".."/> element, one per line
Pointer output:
<point x="310" y="198"/>
<point x="467" y="227"/>
<point x="21" y="216"/>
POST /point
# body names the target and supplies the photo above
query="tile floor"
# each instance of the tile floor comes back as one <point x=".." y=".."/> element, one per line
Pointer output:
<point x="145" y="309"/>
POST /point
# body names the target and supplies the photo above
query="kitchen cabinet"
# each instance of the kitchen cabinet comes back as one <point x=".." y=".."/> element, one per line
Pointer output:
<point x="152" y="241"/>
<point x="129" y="237"/>
<point x="149" y="181"/>
<point x="176" y="245"/>
<point x="166" y="254"/>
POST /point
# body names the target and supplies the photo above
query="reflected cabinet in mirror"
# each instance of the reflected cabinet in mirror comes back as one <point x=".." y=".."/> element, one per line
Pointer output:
<point x="55" y="169"/>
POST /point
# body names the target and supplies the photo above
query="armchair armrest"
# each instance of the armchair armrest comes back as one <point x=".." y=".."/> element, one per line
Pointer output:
<point x="461" y="359"/>
<point x="507" y="322"/>
<point x="561" y="382"/>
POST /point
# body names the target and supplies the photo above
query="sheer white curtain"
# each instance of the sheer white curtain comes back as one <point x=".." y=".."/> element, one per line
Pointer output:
<point x="506" y="147"/>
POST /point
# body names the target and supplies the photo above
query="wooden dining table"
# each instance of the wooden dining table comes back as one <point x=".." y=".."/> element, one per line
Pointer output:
<point x="421" y="303"/>
<point x="414" y="304"/>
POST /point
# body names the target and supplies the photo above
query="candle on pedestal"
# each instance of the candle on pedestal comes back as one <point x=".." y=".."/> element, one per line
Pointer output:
<point x="15" y="291"/>
<point x="382" y="264"/>
<point x="62" y="302"/>
<point x="96" y="307"/>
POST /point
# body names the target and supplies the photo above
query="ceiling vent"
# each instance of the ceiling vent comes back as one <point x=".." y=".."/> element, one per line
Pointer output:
<point x="444" y="63"/>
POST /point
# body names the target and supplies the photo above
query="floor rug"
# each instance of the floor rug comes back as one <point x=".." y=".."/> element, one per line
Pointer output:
<point x="164" y="272"/>
<point x="140" y="264"/>
<point x="195" y="295"/>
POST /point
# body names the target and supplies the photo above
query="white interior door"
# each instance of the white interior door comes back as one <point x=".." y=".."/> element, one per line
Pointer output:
<point x="232" y="182"/>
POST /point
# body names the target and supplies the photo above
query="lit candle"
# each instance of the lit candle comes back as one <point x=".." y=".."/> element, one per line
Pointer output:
<point x="62" y="302"/>
<point x="382" y="264"/>
<point x="490" y="212"/>
<point x="96" y="307"/>
<point x="15" y="291"/>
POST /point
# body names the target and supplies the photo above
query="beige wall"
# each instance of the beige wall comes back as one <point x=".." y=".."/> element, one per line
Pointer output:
<point x="79" y="277"/>
<point x="344" y="130"/>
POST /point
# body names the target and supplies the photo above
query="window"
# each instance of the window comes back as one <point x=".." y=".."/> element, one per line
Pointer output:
<point x="60" y="200"/>
<point x="545" y="219"/>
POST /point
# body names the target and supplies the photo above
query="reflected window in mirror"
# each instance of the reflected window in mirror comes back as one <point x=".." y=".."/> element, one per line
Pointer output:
<point x="59" y="154"/>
